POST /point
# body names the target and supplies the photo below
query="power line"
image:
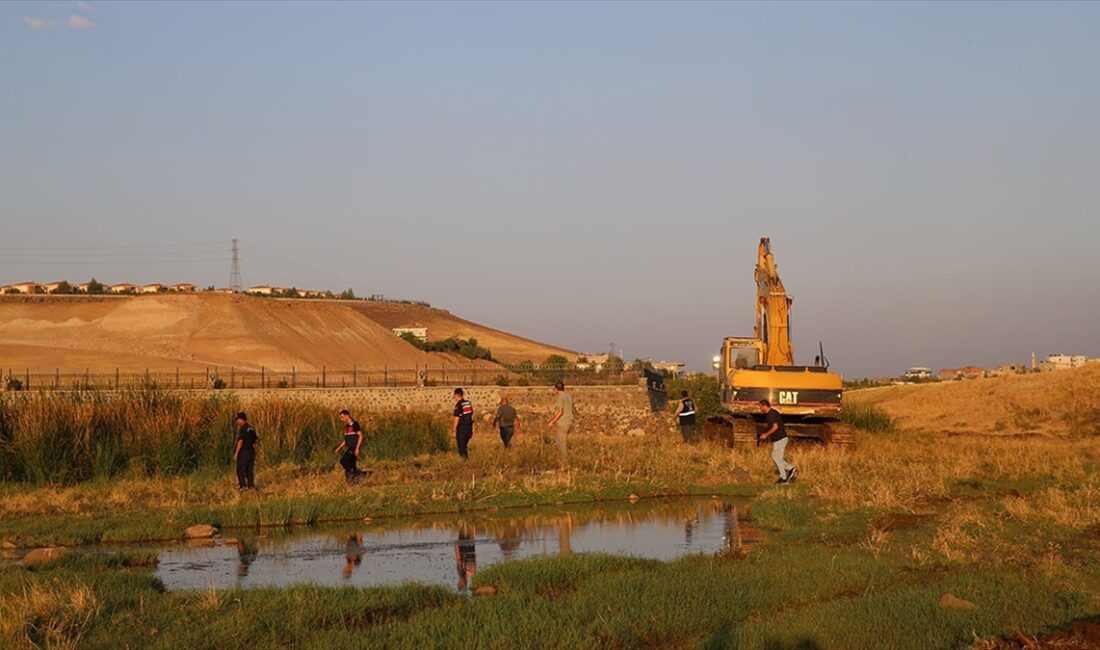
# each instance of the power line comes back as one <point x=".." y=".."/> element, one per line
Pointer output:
<point x="112" y="248"/>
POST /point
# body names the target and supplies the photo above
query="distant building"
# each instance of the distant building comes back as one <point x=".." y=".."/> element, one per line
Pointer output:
<point x="966" y="372"/>
<point x="151" y="288"/>
<point x="22" y="287"/>
<point x="264" y="290"/>
<point x="1062" y="362"/>
<point x="1008" y="369"/>
<point x="183" y="287"/>
<point x="52" y="287"/>
<point x="415" y="329"/>
<point x="124" y="287"/>
<point x="673" y="368"/>
<point x="312" y="293"/>
<point x="917" y="372"/>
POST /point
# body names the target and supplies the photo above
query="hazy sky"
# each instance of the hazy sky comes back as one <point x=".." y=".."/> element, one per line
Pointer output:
<point x="580" y="173"/>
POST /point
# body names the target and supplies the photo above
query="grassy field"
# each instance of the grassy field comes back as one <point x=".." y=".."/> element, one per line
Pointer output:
<point x="859" y="553"/>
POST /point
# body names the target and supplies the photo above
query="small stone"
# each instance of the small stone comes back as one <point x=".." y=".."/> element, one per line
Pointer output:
<point x="44" y="555"/>
<point x="231" y="541"/>
<point x="8" y="545"/>
<point x="486" y="590"/>
<point x="199" y="531"/>
<point x="367" y="520"/>
<point x="953" y="602"/>
<point x="633" y="498"/>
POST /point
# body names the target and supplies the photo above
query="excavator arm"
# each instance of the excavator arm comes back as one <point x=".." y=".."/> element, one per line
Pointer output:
<point x="773" y="310"/>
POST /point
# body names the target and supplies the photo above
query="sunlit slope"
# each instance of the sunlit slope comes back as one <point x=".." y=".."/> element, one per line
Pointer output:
<point x="441" y="324"/>
<point x="192" y="331"/>
<point x="1055" y="403"/>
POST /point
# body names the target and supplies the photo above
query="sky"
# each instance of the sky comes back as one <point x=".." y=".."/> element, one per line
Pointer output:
<point x="580" y="173"/>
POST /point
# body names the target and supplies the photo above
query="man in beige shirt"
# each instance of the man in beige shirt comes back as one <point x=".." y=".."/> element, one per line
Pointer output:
<point x="562" y="422"/>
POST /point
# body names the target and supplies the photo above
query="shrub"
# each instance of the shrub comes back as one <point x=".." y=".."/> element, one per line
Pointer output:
<point x="868" y="418"/>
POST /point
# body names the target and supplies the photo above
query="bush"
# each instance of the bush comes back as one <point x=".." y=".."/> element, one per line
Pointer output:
<point x="701" y="388"/>
<point x="393" y="437"/>
<point x="14" y="383"/>
<point x="868" y="418"/>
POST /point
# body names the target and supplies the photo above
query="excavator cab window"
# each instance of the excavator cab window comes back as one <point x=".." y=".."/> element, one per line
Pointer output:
<point x="746" y="357"/>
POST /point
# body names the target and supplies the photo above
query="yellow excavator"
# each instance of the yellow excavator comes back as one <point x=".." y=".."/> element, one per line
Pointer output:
<point x="762" y="367"/>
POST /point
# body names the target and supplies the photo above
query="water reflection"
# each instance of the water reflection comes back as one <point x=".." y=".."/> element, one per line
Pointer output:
<point x="447" y="551"/>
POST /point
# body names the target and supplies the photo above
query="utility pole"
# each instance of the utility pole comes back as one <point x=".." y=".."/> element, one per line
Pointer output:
<point x="235" y="270"/>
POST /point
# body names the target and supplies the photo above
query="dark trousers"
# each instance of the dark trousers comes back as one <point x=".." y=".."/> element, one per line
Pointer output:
<point x="689" y="432"/>
<point x="462" y="437"/>
<point x="347" y="461"/>
<point x="246" y="466"/>
<point x="506" y="434"/>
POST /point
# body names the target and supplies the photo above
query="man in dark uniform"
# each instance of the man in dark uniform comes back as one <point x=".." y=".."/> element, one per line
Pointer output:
<point x="464" y="423"/>
<point x="685" y="414"/>
<point x="777" y="434"/>
<point x="353" y="441"/>
<point x="245" y="453"/>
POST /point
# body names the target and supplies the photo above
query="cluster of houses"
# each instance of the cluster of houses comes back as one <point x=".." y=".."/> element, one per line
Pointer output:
<point x="95" y="287"/>
<point x="1052" y="362"/>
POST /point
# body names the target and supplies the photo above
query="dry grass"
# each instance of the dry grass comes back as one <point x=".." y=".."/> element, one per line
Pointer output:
<point x="1065" y="402"/>
<point x="49" y="614"/>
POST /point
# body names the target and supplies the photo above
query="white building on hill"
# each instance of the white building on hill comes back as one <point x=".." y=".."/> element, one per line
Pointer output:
<point x="416" y="329"/>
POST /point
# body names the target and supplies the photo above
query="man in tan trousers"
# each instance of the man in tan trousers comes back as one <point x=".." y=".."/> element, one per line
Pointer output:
<point x="562" y="422"/>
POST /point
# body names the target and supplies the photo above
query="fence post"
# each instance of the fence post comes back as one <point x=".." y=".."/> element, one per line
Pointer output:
<point x="354" y="377"/>
<point x="27" y="383"/>
<point x="177" y="377"/>
<point x="232" y="376"/>
<point x="385" y="375"/>
<point x="263" y="377"/>
<point x="116" y="377"/>
<point x="324" y="377"/>
<point x="56" y="378"/>
<point x="293" y="378"/>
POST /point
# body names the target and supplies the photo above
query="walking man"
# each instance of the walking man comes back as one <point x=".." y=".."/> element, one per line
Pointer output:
<point x="352" y="443"/>
<point x="562" y="422"/>
<point x="508" y="421"/>
<point x="777" y="434"/>
<point x="685" y="413"/>
<point x="464" y="423"/>
<point x="245" y="453"/>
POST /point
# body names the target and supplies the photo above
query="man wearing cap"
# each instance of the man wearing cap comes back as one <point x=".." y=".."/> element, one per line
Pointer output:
<point x="245" y="453"/>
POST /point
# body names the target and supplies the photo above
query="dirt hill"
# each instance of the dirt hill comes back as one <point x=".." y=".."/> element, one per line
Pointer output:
<point x="192" y="331"/>
<point x="1056" y="403"/>
<point x="442" y="324"/>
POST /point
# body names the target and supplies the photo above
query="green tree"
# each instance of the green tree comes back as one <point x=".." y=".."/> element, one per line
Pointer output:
<point x="64" y="287"/>
<point x="555" y="361"/>
<point x="613" y="366"/>
<point x="95" y="287"/>
<point x="347" y="294"/>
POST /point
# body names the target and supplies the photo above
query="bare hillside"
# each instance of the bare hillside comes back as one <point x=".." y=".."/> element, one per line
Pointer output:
<point x="191" y="331"/>
<point x="441" y="324"/>
<point x="1056" y="403"/>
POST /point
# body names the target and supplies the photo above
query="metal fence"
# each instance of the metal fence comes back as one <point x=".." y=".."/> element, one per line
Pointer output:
<point x="236" y="378"/>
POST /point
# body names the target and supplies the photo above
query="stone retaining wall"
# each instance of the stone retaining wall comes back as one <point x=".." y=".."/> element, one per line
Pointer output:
<point x="599" y="409"/>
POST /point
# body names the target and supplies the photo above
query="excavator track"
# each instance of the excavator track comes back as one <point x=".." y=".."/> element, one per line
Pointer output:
<point x="737" y="431"/>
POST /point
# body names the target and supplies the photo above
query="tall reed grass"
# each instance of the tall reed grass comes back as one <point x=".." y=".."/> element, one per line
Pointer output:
<point x="77" y="436"/>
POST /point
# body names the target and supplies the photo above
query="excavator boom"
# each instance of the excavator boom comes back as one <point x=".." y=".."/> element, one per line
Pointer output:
<point x="773" y="309"/>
